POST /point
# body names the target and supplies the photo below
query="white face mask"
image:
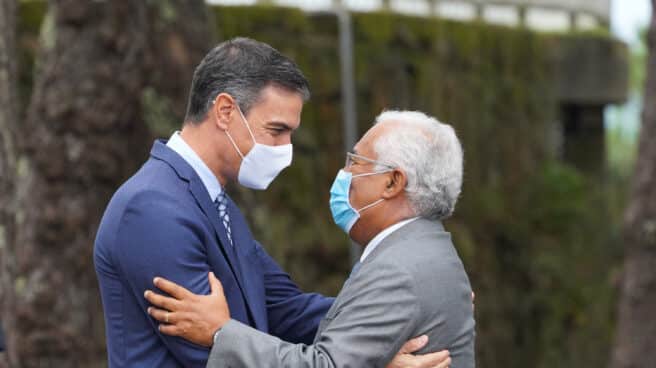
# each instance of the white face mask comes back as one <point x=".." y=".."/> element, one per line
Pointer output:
<point x="262" y="163"/>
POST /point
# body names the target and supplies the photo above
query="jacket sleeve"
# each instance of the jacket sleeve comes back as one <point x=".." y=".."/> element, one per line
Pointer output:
<point x="377" y="313"/>
<point x="156" y="238"/>
<point x="293" y="315"/>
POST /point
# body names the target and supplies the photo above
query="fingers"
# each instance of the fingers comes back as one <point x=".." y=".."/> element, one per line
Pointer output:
<point x="445" y="364"/>
<point x="215" y="284"/>
<point x="172" y="330"/>
<point x="414" y="344"/>
<point x="162" y="315"/>
<point x="170" y="322"/>
<point x="171" y="288"/>
<point x="437" y="359"/>
<point x="162" y="301"/>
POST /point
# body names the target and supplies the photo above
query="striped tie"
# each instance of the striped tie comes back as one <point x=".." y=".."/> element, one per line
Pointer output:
<point x="221" y="204"/>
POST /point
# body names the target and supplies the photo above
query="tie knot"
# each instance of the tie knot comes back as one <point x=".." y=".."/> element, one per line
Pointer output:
<point x="221" y="202"/>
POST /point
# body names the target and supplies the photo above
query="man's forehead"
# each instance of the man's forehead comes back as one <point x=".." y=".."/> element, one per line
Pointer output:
<point x="278" y="109"/>
<point x="280" y="97"/>
<point x="356" y="148"/>
<point x="365" y="145"/>
<point x="372" y="134"/>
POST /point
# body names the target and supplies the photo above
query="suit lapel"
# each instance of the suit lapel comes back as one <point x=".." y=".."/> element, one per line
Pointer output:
<point x="235" y="254"/>
<point x="242" y="240"/>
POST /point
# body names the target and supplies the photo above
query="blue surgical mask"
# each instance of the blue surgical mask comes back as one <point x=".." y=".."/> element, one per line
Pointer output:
<point x="344" y="215"/>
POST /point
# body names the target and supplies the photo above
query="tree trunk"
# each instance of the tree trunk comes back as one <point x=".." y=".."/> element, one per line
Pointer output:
<point x="181" y="35"/>
<point x="83" y="136"/>
<point x="80" y="138"/>
<point x="636" y="331"/>
<point x="8" y="108"/>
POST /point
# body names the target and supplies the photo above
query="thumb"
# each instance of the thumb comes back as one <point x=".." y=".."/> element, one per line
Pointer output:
<point x="414" y="344"/>
<point x="215" y="284"/>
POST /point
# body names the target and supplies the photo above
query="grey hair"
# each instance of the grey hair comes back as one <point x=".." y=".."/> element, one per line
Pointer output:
<point x="430" y="154"/>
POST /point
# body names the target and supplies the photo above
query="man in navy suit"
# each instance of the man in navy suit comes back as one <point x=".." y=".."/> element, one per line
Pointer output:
<point x="174" y="219"/>
<point x="170" y="217"/>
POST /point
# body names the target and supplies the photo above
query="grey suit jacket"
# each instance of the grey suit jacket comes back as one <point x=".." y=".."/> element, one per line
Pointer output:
<point x="413" y="283"/>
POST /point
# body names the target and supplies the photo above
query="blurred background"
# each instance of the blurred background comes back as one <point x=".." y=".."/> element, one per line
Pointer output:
<point x="546" y="96"/>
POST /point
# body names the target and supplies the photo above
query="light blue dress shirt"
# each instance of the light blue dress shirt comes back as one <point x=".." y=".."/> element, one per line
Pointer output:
<point x="206" y="175"/>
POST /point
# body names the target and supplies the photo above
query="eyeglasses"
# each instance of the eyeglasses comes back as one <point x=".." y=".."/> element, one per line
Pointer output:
<point x="352" y="158"/>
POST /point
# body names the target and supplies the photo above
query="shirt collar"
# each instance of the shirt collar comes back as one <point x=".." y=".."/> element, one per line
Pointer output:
<point x="382" y="235"/>
<point x="208" y="178"/>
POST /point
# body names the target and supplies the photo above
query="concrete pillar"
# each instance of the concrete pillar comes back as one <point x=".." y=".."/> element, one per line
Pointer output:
<point x="572" y="21"/>
<point x="433" y="7"/>
<point x="479" y="11"/>
<point x="521" y="15"/>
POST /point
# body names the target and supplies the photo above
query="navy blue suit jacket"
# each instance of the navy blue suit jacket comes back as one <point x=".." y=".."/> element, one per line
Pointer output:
<point x="2" y="339"/>
<point x="161" y="222"/>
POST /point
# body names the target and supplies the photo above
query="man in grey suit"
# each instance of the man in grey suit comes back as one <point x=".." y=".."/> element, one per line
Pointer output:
<point x="403" y="177"/>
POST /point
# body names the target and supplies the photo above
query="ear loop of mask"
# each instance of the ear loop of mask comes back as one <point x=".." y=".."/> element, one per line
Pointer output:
<point x="246" y="123"/>
<point x="376" y="202"/>
<point x="230" y="137"/>
<point x="369" y="206"/>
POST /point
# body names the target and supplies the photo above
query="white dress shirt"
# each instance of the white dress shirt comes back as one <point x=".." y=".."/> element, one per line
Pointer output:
<point x="382" y="235"/>
<point x="206" y="175"/>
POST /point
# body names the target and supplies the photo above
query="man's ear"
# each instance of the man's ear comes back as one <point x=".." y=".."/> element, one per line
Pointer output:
<point x="222" y="109"/>
<point x="395" y="183"/>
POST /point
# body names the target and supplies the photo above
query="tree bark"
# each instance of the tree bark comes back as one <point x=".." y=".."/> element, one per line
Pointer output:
<point x="83" y="136"/>
<point x="80" y="138"/>
<point x="181" y="33"/>
<point x="8" y="115"/>
<point x="635" y="345"/>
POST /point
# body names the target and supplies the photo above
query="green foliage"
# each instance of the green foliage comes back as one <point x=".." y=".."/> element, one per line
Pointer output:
<point x="30" y="17"/>
<point x="624" y="120"/>
<point x="165" y="9"/>
<point x="158" y="113"/>
<point x="638" y="61"/>
<point x="622" y="149"/>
